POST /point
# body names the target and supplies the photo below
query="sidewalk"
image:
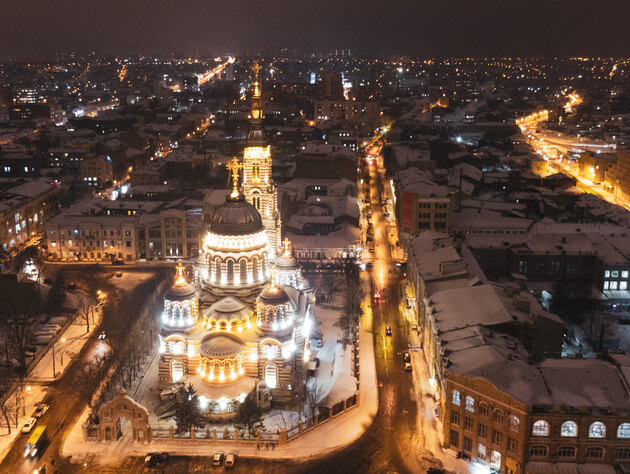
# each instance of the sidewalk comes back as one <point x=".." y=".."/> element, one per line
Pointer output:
<point x="321" y="441"/>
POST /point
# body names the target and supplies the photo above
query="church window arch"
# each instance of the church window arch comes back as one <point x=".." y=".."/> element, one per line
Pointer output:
<point x="243" y="270"/>
<point x="255" y="268"/>
<point x="230" y="270"/>
<point x="217" y="269"/>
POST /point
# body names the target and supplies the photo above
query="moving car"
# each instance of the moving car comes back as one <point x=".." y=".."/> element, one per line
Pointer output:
<point x="36" y="442"/>
<point x="406" y="357"/>
<point x="230" y="460"/>
<point x="102" y="336"/>
<point x="408" y="367"/>
<point x="388" y="331"/>
<point x="40" y="410"/>
<point x="28" y="426"/>
<point x="217" y="459"/>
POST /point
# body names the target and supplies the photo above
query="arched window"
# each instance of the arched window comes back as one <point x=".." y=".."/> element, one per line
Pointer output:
<point x="256" y="202"/>
<point x="255" y="268"/>
<point x="271" y="375"/>
<point x="499" y="416"/>
<point x="622" y="454"/>
<point x="539" y="451"/>
<point x="230" y="271"/>
<point x="256" y="172"/>
<point x="243" y="271"/>
<point x="514" y="422"/>
<point x="597" y="430"/>
<point x="176" y="347"/>
<point x="457" y="398"/>
<point x="566" y="452"/>
<point x="177" y="370"/>
<point x="594" y="453"/>
<point x="569" y="429"/>
<point x="540" y="428"/>
<point x="470" y="403"/>
<point x="623" y="431"/>
<point x="217" y="269"/>
<point x="264" y="263"/>
<point x="484" y="409"/>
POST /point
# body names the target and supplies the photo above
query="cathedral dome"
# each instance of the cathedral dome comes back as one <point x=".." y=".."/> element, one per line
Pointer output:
<point x="273" y="295"/>
<point x="220" y="346"/>
<point x="236" y="217"/>
<point x="180" y="292"/>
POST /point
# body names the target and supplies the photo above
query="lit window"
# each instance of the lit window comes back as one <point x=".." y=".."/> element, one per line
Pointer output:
<point x="271" y="374"/>
<point x="597" y="430"/>
<point x="457" y="397"/>
<point x="470" y="403"/>
<point x="613" y="285"/>
<point x="569" y="429"/>
<point x="540" y="428"/>
<point x="607" y="274"/>
<point x="623" y="285"/>
<point x="514" y="423"/>
<point x="614" y="274"/>
<point x="606" y="285"/>
<point x="624" y="274"/>
<point x="623" y="431"/>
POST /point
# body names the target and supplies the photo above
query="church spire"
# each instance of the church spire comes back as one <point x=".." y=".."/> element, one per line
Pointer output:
<point x="234" y="166"/>
<point x="256" y="133"/>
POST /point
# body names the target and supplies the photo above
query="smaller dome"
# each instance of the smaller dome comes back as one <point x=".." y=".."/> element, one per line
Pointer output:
<point x="220" y="346"/>
<point x="181" y="289"/>
<point x="286" y="259"/>
<point x="228" y="308"/>
<point x="273" y="295"/>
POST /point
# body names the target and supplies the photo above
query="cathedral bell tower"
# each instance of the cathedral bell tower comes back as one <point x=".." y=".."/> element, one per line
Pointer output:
<point x="258" y="185"/>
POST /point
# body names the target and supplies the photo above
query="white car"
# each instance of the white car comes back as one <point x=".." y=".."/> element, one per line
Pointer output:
<point x="40" y="410"/>
<point x="28" y="426"/>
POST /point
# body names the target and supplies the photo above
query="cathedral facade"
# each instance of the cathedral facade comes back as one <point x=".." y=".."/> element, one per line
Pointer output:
<point x="244" y="324"/>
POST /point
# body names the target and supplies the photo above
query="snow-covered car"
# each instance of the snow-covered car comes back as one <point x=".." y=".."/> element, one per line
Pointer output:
<point x="28" y="426"/>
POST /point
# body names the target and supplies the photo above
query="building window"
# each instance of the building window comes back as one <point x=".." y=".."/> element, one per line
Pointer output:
<point x="512" y="445"/>
<point x="497" y="437"/>
<point x="470" y="403"/>
<point x="457" y="398"/>
<point x="594" y="453"/>
<point x="622" y="454"/>
<point x="177" y="370"/>
<point x="613" y="285"/>
<point x="271" y="375"/>
<point x="624" y="274"/>
<point x="567" y="452"/>
<point x="597" y="430"/>
<point x="481" y="451"/>
<point x="569" y="429"/>
<point x="454" y="438"/>
<point x="499" y="416"/>
<point x="540" y="428"/>
<point x="623" y="431"/>
<point x="468" y="423"/>
<point x="514" y="423"/>
<point x="495" y="460"/>
<point x="484" y="409"/>
<point x="623" y="285"/>
<point x="467" y="445"/>
<point x="538" y="451"/>
<point x="482" y="430"/>
<point x="455" y="417"/>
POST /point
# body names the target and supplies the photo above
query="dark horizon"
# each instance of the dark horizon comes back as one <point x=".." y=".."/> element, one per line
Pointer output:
<point x="438" y="29"/>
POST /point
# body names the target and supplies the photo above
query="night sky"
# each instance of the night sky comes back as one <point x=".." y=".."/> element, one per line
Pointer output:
<point x="417" y="27"/>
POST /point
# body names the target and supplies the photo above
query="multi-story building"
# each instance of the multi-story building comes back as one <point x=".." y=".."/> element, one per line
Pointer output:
<point x="171" y="233"/>
<point x="622" y="178"/>
<point x="97" y="171"/>
<point x="23" y="210"/>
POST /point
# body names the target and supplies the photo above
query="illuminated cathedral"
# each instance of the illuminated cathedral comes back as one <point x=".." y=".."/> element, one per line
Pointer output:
<point x="243" y="325"/>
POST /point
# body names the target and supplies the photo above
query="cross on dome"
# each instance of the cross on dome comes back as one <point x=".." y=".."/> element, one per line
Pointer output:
<point x="181" y="279"/>
<point x="286" y="245"/>
<point x="256" y="68"/>
<point x="235" y="166"/>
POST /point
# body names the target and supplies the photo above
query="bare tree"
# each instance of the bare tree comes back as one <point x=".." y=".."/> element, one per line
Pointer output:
<point x="17" y="319"/>
<point x="313" y="395"/>
<point x="6" y="402"/>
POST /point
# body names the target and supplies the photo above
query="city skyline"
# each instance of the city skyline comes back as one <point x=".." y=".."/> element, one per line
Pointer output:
<point x="426" y="29"/>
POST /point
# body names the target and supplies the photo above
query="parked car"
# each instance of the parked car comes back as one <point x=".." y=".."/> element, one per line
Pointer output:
<point x="150" y="460"/>
<point x="40" y="410"/>
<point x="388" y="331"/>
<point x="217" y="459"/>
<point x="118" y="274"/>
<point x="48" y="281"/>
<point x="28" y="426"/>
<point x="230" y="460"/>
<point x="160" y="459"/>
<point x="406" y="357"/>
<point x="118" y="262"/>
<point x="435" y="470"/>
<point x="408" y="367"/>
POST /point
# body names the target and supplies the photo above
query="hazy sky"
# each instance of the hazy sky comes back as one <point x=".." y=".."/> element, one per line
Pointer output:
<point x="416" y="27"/>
